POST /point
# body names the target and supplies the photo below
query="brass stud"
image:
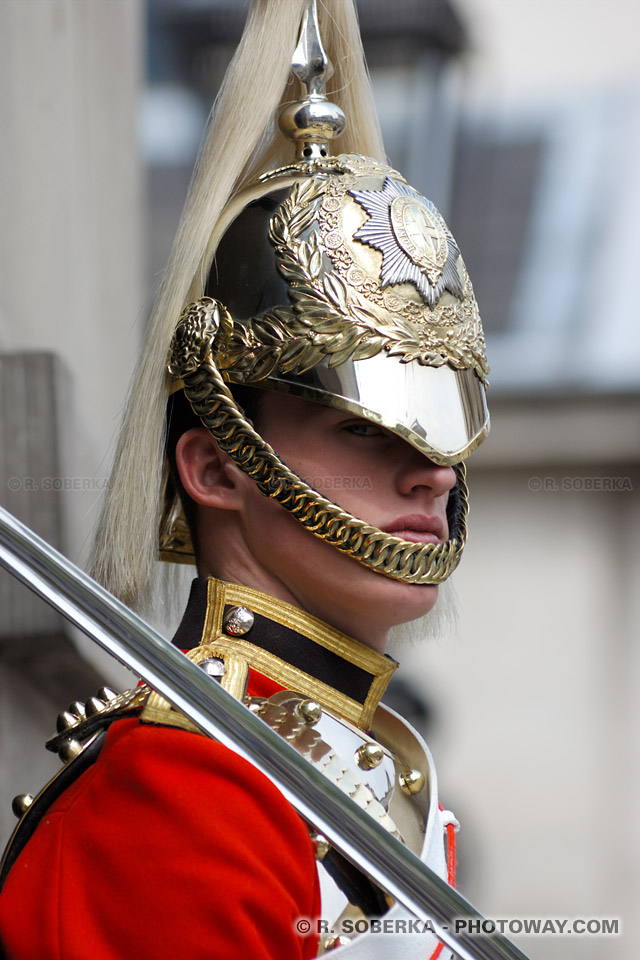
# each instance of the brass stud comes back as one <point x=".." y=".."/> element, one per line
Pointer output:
<point x="309" y="711"/>
<point x="411" y="781"/>
<point x="65" y="721"/>
<point x="93" y="706"/>
<point x="21" y="804"/>
<point x="69" y="750"/>
<point x="238" y="621"/>
<point x="369" y="756"/>
<point x="106" y="694"/>
<point x="320" y="844"/>
<point x="213" y="667"/>
<point x="77" y="708"/>
<point x="332" y="943"/>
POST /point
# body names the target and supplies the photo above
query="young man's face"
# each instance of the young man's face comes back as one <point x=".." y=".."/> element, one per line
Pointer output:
<point x="370" y="473"/>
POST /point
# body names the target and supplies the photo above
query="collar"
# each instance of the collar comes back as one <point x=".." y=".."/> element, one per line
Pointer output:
<point x="296" y="650"/>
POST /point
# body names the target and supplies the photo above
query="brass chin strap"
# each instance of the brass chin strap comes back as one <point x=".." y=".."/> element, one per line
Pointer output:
<point x="191" y="361"/>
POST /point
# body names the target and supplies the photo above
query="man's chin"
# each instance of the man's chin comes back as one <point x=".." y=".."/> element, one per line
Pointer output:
<point x="440" y="622"/>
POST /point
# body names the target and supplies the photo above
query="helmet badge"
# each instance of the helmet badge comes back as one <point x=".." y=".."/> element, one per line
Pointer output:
<point x="415" y="243"/>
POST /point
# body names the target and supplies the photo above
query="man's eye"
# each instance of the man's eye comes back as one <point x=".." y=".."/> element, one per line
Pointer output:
<point x="361" y="428"/>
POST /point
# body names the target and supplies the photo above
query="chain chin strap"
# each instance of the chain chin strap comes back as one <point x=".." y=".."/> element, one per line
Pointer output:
<point x="192" y="362"/>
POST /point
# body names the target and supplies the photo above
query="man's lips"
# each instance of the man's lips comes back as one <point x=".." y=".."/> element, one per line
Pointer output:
<point x="417" y="528"/>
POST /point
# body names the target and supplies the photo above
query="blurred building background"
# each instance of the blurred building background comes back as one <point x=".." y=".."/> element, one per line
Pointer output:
<point x="522" y="122"/>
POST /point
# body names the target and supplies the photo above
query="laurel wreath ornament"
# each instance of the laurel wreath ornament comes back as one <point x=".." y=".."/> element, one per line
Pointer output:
<point x="330" y="319"/>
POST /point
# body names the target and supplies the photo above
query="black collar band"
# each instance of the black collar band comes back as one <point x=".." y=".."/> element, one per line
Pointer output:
<point x="291" y="647"/>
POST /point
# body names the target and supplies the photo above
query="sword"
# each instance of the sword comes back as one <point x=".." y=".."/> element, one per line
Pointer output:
<point x="321" y="803"/>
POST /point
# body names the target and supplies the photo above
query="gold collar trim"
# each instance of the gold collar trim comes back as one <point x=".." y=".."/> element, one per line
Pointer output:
<point x="348" y="677"/>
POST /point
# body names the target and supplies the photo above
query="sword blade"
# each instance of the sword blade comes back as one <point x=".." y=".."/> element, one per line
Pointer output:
<point x="350" y="829"/>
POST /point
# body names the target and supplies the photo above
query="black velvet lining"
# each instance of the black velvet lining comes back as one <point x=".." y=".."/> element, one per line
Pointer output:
<point x="189" y="633"/>
<point x="288" y="645"/>
<point x="454" y="507"/>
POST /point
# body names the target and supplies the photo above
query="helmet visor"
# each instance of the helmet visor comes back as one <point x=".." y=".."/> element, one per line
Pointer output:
<point x="439" y="410"/>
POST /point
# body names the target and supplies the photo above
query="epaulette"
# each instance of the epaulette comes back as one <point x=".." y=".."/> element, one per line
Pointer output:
<point x="82" y="727"/>
<point x="81" y="730"/>
<point x="82" y="723"/>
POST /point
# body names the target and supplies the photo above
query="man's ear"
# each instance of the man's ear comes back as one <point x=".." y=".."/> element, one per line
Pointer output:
<point x="208" y="475"/>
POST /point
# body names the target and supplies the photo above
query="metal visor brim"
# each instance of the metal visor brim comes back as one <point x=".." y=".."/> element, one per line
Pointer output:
<point x="441" y="411"/>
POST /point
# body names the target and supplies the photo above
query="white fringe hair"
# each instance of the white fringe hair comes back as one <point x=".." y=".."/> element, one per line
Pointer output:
<point x="441" y="623"/>
<point x="241" y="139"/>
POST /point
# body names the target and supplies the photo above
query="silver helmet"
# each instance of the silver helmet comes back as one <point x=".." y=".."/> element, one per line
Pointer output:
<point x="337" y="282"/>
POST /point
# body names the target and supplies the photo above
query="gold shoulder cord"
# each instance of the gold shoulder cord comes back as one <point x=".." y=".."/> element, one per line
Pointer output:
<point x="230" y="668"/>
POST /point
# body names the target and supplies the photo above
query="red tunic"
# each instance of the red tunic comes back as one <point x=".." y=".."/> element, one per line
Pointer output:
<point x="169" y="846"/>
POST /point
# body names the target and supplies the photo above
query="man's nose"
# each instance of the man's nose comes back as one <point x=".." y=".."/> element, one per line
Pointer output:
<point x="419" y="471"/>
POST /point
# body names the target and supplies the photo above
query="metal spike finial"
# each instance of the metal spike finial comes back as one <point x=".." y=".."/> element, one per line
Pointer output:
<point x="313" y="121"/>
<point x="310" y="63"/>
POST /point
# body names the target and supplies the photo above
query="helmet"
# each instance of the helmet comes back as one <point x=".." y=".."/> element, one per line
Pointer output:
<point x="332" y="279"/>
